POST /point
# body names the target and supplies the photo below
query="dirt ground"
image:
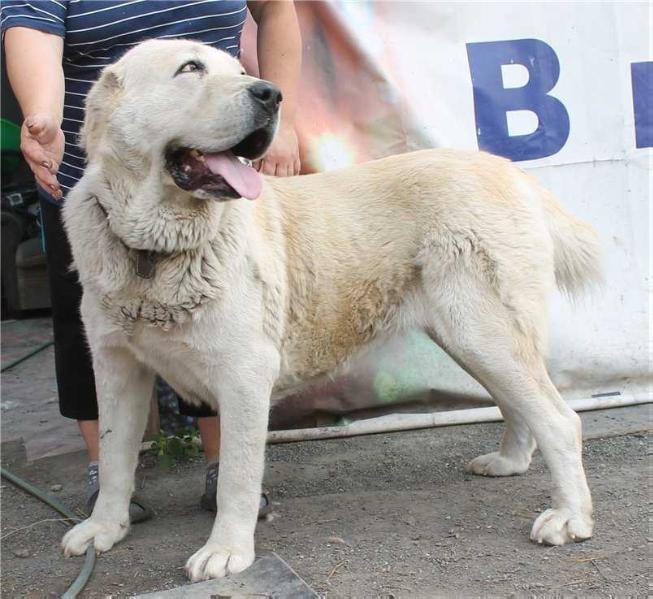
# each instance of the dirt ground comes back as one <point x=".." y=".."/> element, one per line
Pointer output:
<point x="384" y="515"/>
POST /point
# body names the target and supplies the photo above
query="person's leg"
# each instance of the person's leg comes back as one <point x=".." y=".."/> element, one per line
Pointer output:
<point x="89" y="430"/>
<point x="73" y="365"/>
<point x="208" y="424"/>
<point x="209" y="427"/>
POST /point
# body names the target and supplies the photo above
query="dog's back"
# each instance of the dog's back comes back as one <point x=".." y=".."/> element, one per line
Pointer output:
<point x="357" y="243"/>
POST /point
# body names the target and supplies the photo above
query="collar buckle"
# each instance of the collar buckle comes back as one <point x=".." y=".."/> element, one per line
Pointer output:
<point x="145" y="264"/>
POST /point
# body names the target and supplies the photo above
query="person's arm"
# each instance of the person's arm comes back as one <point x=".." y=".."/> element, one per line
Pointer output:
<point x="34" y="67"/>
<point x="279" y="49"/>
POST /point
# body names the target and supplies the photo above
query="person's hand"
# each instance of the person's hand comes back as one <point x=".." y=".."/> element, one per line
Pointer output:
<point x="282" y="158"/>
<point x="42" y="143"/>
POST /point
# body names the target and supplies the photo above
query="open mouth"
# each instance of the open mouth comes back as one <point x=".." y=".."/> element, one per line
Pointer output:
<point x="220" y="175"/>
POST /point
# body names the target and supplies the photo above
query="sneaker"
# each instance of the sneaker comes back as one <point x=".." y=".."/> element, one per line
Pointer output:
<point x="208" y="501"/>
<point x="138" y="511"/>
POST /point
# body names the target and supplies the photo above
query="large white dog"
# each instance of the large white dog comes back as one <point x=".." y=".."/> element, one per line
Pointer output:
<point x="236" y="302"/>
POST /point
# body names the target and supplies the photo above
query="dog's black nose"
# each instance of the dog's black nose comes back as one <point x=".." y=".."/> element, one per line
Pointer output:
<point x="267" y="94"/>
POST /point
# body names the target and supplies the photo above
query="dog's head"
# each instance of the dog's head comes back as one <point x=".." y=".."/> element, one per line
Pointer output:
<point x="186" y="110"/>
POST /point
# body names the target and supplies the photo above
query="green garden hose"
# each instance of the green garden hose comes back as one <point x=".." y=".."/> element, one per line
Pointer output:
<point x="89" y="563"/>
<point x="24" y="357"/>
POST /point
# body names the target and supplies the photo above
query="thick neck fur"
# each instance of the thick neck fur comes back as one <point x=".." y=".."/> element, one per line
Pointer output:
<point x="198" y="243"/>
<point x="148" y="212"/>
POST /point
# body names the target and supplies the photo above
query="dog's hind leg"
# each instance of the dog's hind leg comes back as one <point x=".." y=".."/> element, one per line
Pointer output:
<point x="124" y="389"/>
<point x="515" y="452"/>
<point x="493" y="343"/>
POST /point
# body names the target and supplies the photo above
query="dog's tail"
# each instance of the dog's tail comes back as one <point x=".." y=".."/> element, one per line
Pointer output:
<point x="577" y="255"/>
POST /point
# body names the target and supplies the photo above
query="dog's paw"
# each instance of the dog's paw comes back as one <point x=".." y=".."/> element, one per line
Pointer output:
<point x="495" y="464"/>
<point x="215" y="561"/>
<point x="560" y="526"/>
<point x="103" y="535"/>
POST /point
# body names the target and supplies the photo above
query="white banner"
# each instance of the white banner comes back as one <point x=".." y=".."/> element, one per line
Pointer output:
<point x="563" y="89"/>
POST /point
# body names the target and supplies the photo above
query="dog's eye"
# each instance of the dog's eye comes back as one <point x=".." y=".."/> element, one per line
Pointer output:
<point x="192" y="66"/>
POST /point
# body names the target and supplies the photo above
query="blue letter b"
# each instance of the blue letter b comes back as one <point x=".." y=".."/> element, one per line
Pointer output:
<point x="492" y="100"/>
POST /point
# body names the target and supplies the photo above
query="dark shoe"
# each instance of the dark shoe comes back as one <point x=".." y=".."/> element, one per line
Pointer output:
<point x="138" y="510"/>
<point x="208" y="501"/>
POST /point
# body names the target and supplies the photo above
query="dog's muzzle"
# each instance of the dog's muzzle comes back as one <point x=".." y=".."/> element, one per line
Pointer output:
<point x="226" y="174"/>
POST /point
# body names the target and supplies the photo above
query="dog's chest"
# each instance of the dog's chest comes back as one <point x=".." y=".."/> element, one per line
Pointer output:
<point x="178" y="357"/>
<point x="161" y="291"/>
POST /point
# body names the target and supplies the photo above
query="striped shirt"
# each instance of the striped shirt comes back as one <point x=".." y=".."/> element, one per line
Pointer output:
<point x="97" y="32"/>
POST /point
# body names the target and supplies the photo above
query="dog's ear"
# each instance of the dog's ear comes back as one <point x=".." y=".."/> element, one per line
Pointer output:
<point x="100" y="102"/>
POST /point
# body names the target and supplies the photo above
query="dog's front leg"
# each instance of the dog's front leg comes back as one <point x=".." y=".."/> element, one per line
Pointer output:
<point x="244" y="403"/>
<point x="124" y="389"/>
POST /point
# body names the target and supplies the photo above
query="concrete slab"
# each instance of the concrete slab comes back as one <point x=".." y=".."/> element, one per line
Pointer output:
<point x="30" y="408"/>
<point x="620" y="421"/>
<point x="269" y="576"/>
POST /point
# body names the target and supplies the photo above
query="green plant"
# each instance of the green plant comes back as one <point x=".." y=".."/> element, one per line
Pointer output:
<point x="172" y="448"/>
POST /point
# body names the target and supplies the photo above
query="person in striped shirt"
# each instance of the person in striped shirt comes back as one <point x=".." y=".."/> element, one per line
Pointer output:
<point x="55" y="50"/>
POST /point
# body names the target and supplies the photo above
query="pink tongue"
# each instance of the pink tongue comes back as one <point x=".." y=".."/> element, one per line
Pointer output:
<point x="244" y="179"/>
